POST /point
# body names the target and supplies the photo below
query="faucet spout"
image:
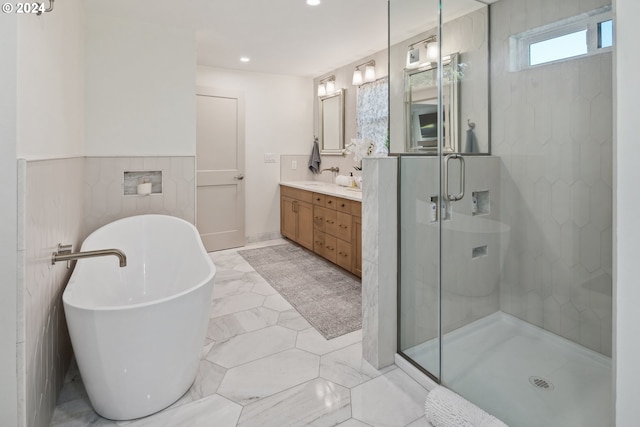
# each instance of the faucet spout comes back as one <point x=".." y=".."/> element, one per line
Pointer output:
<point x="64" y="254"/>
<point x="335" y="169"/>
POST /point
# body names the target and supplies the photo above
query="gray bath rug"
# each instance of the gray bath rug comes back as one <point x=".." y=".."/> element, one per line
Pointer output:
<point x="324" y="294"/>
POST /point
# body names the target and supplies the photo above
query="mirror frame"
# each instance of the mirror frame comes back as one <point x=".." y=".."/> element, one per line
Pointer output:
<point x="451" y="143"/>
<point x="339" y="118"/>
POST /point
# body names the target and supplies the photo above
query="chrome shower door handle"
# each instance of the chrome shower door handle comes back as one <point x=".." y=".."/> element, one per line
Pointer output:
<point x="446" y="177"/>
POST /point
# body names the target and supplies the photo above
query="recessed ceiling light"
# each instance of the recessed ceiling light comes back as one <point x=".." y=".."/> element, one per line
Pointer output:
<point x="245" y="59"/>
<point x="313" y="2"/>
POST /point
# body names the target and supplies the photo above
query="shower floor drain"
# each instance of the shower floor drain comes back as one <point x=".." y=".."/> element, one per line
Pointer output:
<point x="541" y="383"/>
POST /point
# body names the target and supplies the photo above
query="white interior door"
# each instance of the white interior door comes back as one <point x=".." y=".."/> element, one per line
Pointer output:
<point x="220" y="168"/>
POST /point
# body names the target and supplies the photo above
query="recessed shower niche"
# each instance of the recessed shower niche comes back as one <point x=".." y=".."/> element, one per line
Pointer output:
<point x="480" y="203"/>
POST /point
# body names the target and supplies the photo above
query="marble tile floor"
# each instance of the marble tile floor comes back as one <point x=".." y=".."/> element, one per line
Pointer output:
<point x="264" y="365"/>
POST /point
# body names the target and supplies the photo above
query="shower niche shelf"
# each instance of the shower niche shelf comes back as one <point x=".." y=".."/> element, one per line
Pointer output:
<point x="479" y="251"/>
<point x="480" y="203"/>
<point x="434" y="212"/>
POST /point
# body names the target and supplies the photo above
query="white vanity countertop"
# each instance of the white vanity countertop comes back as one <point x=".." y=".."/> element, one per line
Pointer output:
<point x="326" y="188"/>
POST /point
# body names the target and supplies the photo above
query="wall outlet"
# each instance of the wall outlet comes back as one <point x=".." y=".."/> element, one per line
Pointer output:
<point x="294" y="164"/>
<point x="269" y="158"/>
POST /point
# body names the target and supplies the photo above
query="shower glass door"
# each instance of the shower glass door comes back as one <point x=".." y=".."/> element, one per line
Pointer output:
<point x="441" y="90"/>
<point x="415" y="94"/>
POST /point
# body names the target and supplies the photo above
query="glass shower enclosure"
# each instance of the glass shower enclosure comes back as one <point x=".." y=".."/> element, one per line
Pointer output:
<point x="504" y="210"/>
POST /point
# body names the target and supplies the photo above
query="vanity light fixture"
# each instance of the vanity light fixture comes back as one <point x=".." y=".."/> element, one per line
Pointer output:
<point x="245" y="59"/>
<point x="327" y="86"/>
<point x="369" y="73"/>
<point x="432" y="49"/>
<point x="331" y="86"/>
<point x="313" y="2"/>
<point x="428" y="46"/>
<point x="357" y="78"/>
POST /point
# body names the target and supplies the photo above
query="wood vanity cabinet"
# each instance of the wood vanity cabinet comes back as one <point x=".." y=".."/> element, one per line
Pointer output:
<point x="333" y="234"/>
<point x="356" y="237"/>
<point x="296" y="216"/>
<point x="333" y="226"/>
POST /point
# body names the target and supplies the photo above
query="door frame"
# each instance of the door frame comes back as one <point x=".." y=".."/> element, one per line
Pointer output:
<point x="241" y="136"/>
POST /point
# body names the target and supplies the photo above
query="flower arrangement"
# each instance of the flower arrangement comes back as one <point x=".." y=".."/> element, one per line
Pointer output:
<point x="360" y="148"/>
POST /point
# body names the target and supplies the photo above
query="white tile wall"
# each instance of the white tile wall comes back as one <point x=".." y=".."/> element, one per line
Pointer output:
<point x="104" y="192"/>
<point x="51" y="206"/>
<point x="552" y="128"/>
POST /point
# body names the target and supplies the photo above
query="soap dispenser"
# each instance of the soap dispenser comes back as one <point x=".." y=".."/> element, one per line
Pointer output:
<point x="352" y="179"/>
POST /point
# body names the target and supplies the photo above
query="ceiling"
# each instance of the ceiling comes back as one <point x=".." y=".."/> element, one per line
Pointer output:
<point x="286" y="36"/>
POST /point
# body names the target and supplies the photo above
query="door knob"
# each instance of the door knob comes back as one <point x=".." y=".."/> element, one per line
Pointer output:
<point x="239" y="177"/>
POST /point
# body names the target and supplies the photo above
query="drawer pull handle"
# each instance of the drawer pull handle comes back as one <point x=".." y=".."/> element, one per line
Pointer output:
<point x="342" y="205"/>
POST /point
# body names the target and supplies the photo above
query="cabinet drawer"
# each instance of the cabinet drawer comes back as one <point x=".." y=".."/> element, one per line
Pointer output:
<point x="343" y="230"/>
<point x="295" y="193"/>
<point x="356" y="208"/>
<point x="330" y="202"/>
<point x="330" y="222"/>
<point x="318" y="199"/>
<point x="318" y="242"/>
<point x="343" y="257"/>
<point x="330" y="251"/>
<point x="318" y="218"/>
<point x="343" y="205"/>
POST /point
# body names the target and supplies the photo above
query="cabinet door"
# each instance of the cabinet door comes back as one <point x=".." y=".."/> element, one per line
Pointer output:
<point x="356" y="245"/>
<point x="287" y="218"/>
<point x="305" y="224"/>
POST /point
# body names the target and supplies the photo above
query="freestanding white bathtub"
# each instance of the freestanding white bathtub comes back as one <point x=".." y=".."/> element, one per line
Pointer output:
<point x="138" y="331"/>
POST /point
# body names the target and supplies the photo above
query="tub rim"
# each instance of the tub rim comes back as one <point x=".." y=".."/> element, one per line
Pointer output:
<point x="202" y="283"/>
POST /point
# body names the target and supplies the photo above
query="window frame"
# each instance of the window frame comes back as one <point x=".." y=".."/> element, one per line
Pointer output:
<point x="519" y="44"/>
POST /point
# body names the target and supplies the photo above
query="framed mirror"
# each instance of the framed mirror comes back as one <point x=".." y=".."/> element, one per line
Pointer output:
<point x="421" y="107"/>
<point x="332" y="123"/>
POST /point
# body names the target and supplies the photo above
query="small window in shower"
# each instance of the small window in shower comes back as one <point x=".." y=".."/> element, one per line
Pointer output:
<point x="605" y="34"/>
<point x="578" y="36"/>
<point x="557" y="48"/>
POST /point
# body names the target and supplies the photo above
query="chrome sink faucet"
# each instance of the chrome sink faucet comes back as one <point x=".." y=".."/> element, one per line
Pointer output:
<point x="64" y="254"/>
<point x="335" y="169"/>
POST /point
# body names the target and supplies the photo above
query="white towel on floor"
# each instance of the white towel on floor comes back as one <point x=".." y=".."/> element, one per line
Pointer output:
<point x="444" y="408"/>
